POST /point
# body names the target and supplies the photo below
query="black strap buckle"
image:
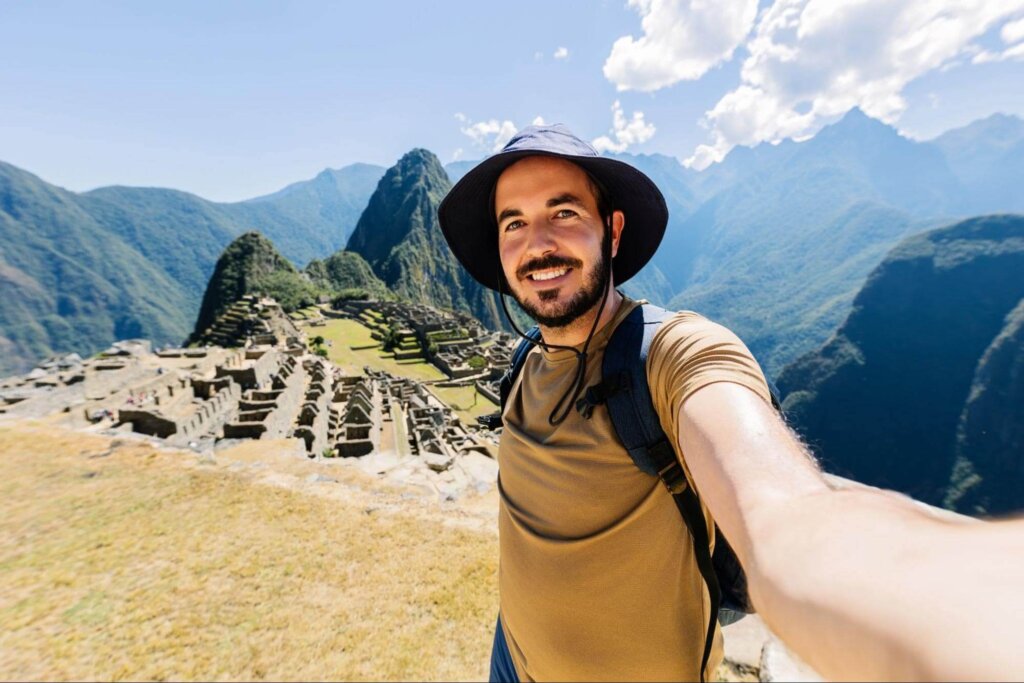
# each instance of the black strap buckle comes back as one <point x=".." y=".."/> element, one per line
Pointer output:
<point x="491" y="421"/>
<point x="673" y="477"/>
<point x="590" y="400"/>
<point x="599" y="393"/>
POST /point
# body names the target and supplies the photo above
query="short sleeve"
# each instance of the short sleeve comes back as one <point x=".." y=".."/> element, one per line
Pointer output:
<point x="690" y="352"/>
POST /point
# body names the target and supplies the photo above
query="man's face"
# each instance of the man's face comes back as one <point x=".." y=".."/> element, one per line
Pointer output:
<point x="550" y="238"/>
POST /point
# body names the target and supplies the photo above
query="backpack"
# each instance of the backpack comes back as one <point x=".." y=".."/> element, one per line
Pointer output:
<point x="623" y="388"/>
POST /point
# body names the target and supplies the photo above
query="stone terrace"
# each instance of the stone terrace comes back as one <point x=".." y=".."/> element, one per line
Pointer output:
<point x="268" y="388"/>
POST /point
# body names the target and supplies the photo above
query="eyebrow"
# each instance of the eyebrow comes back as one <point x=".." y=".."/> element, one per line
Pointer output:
<point x="564" y="198"/>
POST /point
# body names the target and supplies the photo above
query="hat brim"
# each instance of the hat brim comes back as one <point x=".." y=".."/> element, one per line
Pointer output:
<point x="468" y="222"/>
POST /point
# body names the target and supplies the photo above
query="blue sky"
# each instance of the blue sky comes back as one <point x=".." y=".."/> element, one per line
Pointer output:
<point x="235" y="99"/>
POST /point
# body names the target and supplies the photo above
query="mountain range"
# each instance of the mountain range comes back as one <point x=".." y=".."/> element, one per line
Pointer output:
<point x="775" y="241"/>
<point x="80" y="270"/>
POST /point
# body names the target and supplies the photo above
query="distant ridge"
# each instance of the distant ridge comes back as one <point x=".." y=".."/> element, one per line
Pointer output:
<point x="83" y="270"/>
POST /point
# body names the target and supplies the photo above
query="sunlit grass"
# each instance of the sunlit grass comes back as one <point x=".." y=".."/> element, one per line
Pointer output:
<point x="134" y="566"/>
<point x="467" y="402"/>
<point x="344" y="334"/>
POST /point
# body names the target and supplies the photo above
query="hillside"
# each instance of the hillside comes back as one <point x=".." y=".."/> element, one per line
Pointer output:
<point x="251" y="265"/>
<point x="988" y="475"/>
<point x="87" y="269"/>
<point x="779" y="254"/>
<point x="71" y="284"/>
<point x="346" y="271"/>
<point x="399" y="236"/>
<point x="906" y="384"/>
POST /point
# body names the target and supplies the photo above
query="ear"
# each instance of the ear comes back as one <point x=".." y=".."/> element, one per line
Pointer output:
<point x="618" y="223"/>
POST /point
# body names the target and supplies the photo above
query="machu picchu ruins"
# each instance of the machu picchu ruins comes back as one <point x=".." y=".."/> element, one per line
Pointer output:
<point x="255" y="375"/>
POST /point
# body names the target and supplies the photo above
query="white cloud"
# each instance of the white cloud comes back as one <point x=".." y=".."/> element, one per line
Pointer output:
<point x="561" y="53"/>
<point x="682" y="40"/>
<point x="633" y="131"/>
<point x="489" y="135"/>
<point x="811" y="61"/>
<point x="458" y="153"/>
<point x="538" y="121"/>
<point x="1013" y="31"/>
<point x="1012" y="34"/>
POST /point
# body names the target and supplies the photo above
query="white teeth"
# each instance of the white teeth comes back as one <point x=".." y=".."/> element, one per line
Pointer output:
<point x="549" y="274"/>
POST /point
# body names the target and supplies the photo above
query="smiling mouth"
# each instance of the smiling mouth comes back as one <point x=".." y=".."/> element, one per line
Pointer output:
<point x="549" y="274"/>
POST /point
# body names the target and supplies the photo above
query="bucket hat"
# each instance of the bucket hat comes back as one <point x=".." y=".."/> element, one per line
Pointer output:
<point x="467" y="213"/>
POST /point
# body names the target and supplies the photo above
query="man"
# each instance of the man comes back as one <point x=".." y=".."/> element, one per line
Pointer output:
<point x="598" y="575"/>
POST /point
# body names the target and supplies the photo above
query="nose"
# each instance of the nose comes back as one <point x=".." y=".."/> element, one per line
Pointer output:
<point x="540" y="240"/>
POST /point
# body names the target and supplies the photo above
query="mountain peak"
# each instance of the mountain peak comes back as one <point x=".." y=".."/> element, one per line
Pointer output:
<point x="998" y="130"/>
<point x="249" y="264"/>
<point x="399" y="236"/>
<point x="856" y="123"/>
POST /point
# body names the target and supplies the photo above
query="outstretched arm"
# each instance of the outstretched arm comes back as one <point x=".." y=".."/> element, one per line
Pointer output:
<point x="861" y="583"/>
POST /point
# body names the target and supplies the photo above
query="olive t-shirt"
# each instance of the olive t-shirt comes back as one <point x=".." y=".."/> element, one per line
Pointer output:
<point x="597" y="574"/>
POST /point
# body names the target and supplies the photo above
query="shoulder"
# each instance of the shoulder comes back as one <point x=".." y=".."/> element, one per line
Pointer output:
<point x="686" y="332"/>
<point x="689" y="351"/>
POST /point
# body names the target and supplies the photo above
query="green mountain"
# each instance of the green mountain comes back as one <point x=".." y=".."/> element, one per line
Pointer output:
<point x="909" y="392"/>
<point x="779" y="254"/>
<point x="71" y="284"/>
<point x="346" y="272"/>
<point x="251" y="265"/>
<point x="399" y="236"/>
<point x="87" y="269"/>
<point x="988" y="472"/>
<point x="327" y="207"/>
<point x="661" y="278"/>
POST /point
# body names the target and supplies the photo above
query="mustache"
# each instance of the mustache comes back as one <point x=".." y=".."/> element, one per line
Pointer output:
<point x="546" y="263"/>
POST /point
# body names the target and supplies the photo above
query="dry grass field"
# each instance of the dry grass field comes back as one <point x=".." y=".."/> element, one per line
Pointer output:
<point x="128" y="561"/>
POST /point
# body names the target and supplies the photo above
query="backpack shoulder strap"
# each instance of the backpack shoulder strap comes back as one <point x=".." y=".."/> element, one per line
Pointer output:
<point x="624" y="372"/>
<point x="638" y="427"/>
<point x="508" y="380"/>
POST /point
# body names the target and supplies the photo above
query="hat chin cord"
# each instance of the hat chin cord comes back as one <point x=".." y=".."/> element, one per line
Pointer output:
<point x="568" y="399"/>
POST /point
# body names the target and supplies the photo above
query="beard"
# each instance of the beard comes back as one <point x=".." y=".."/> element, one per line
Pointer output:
<point x="584" y="299"/>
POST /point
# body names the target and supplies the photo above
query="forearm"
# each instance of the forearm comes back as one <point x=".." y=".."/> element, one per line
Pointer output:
<point x="863" y="586"/>
<point x="862" y="583"/>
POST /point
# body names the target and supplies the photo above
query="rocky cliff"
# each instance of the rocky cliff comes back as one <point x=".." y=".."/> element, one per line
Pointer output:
<point x="399" y="236"/>
<point x="911" y="387"/>
<point x="988" y="475"/>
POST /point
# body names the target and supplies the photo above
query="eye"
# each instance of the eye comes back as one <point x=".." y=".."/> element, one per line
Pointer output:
<point x="565" y="213"/>
<point x="513" y="225"/>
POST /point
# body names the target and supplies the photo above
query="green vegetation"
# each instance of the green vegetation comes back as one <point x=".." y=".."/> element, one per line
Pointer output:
<point x="80" y="271"/>
<point x="917" y="389"/>
<point x="467" y="402"/>
<point x="251" y="265"/>
<point x="346" y="275"/>
<point x="477" y="362"/>
<point x="988" y="475"/>
<point x="352" y="348"/>
<point x="447" y="335"/>
<point x="398" y="235"/>
<point x="70" y="283"/>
